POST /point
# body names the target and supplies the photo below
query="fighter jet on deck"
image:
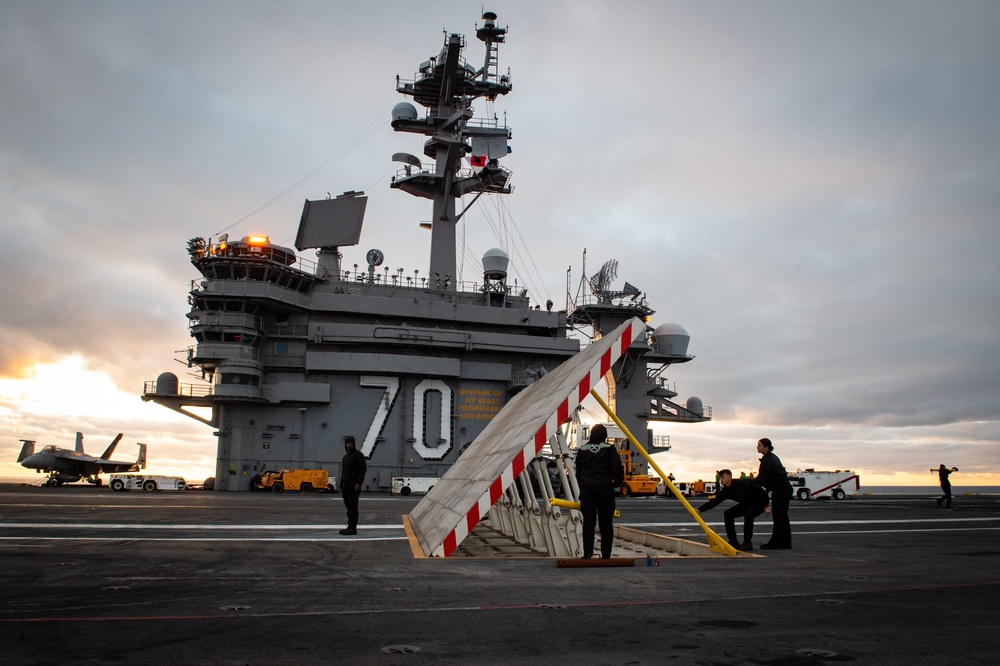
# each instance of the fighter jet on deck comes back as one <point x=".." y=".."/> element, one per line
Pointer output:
<point x="67" y="466"/>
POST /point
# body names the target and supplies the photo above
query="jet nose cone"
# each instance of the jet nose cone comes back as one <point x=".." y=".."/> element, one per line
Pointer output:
<point x="30" y="461"/>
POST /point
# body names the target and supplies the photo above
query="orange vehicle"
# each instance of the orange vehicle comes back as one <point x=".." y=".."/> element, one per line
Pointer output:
<point x="635" y="483"/>
<point x="301" y="480"/>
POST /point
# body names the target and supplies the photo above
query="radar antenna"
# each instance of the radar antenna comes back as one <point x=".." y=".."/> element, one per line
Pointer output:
<point x="600" y="284"/>
<point x="374" y="258"/>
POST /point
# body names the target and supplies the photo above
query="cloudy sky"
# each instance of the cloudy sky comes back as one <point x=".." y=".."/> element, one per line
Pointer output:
<point x="811" y="189"/>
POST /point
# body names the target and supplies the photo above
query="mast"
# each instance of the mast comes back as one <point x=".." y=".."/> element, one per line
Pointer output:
<point x="447" y="85"/>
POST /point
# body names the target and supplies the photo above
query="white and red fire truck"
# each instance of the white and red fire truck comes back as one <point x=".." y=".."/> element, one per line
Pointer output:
<point x="810" y="484"/>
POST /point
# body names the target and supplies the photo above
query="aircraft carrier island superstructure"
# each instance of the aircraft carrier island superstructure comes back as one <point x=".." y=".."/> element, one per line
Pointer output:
<point x="301" y="354"/>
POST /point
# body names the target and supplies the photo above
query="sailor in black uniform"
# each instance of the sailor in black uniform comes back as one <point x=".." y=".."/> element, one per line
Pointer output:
<point x="750" y="502"/>
<point x="774" y="478"/>
<point x="599" y="471"/>
<point x="943" y="474"/>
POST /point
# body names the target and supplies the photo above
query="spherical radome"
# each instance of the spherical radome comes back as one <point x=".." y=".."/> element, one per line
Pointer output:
<point x="166" y="384"/>
<point x="404" y="111"/>
<point x="695" y="405"/>
<point x="671" y="339"/>
<point x="495" y="262"/>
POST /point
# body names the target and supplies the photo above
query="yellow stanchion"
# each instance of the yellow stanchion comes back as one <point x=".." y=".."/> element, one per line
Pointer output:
<point x="715" y="542"/>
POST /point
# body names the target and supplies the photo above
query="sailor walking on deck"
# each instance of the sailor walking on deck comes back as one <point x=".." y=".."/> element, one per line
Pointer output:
<point x="943" y="474"/>
<point x="774" y="478"/>
<point x="599" y="471"/>
<point x="352" y="474"/>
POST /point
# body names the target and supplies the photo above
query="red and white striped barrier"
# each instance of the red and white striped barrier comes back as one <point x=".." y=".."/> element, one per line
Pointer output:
<point x="489" y="466"/>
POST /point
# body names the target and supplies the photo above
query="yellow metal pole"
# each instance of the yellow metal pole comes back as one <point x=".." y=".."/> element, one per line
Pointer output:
<point x="715" y="542"/>
<point x="566" y="504"/>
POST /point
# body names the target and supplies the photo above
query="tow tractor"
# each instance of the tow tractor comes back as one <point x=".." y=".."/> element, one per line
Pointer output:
<point x="635" y="483"/>
<point x="417" y="485"/>
<point x="688" y="488"/>
<point x="301" y="480"/>
<point x="147" y="482"/>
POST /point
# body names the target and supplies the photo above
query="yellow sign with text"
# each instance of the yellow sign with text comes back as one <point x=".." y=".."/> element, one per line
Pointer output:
<point x="479" y="404"/>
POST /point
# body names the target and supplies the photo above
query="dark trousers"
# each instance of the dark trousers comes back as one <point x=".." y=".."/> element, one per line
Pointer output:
<point x="781" y="534"/>
<point x="351" y="497"/>
<point x="748" y="511"/>
<point x="597" y="504"/>
<point x="946" y="496"/>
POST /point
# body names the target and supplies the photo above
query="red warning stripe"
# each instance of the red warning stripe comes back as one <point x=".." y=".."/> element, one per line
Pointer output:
<point x="834" y="485"/>
<point x="541" y="437"/>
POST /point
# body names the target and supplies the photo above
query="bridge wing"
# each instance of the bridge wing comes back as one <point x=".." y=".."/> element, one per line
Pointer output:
<point x="456" y="503"/>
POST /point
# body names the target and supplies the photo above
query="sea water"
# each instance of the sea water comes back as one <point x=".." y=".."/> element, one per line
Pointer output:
<point x="956" y="490"/>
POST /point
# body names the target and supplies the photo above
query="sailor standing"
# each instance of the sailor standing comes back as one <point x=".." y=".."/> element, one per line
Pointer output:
<point x="352" y="474"/>
<point x="774" y="478"/>
<point x="599" y="471"/>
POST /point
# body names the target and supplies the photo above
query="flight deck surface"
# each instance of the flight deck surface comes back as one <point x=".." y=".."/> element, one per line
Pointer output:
<point x="91" y="576"/>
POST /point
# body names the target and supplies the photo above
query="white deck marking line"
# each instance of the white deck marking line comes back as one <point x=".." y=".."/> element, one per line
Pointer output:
<point x="198" y="526"/>
<point x="248" y="539"/>
<point x="828" y="522"/>
<point x="190" y="526"/>
<point x="403" y="538"/>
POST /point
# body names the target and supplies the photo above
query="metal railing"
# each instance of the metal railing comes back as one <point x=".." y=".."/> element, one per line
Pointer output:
<point x="183" y="390"/>
<point x="588" y="298"/>
<point x="274" y="254"/>
<point x="401" y="279"/>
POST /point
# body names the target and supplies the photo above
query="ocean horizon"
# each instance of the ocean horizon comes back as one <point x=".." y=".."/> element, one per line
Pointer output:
<point x="929" y="490"/>
<point x="957" y="491"/>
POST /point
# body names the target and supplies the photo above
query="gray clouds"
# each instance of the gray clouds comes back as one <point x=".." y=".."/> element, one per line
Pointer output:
<point x="810" y="189"/>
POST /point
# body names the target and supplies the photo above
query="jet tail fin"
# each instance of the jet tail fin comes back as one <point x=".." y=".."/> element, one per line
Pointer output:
<point x="79" y="442"/>
<point x="141" y="462"/>
<point x="27" y="449"/>
<point x="111" y="448"/>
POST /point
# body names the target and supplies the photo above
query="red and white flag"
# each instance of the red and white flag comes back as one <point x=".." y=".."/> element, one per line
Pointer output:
<point x="477" y="162"/>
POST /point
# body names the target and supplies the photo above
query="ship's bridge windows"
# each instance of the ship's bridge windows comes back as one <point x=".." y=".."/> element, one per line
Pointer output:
<point x="236" y="378"/>
<point x="245" y="338"/>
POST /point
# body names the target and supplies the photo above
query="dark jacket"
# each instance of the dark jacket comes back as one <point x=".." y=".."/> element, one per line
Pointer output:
<point x="740" y="490"/>
<point x="599" y="469"/>
<point x="353" y="469"/>
<point x="772" y="474"/>
<point x="943" y="474"/>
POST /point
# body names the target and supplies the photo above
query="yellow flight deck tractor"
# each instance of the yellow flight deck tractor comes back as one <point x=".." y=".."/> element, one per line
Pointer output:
<point x="302" y="480"/>
<point x="635" y="483"/>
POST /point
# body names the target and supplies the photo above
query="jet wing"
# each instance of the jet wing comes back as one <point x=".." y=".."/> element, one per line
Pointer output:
<point x="110" y="466"/>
